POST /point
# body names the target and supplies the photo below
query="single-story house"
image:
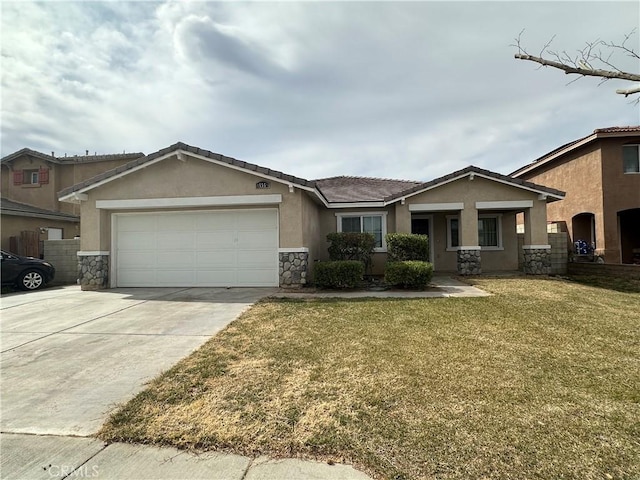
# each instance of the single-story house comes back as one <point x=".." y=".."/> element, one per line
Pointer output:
<point x="184" y="216"/>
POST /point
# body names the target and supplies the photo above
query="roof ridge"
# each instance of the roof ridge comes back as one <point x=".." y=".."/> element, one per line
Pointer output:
<point x="368" y="178"/>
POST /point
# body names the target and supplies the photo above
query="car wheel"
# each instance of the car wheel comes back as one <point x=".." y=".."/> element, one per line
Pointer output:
<point x="31" y="280"/>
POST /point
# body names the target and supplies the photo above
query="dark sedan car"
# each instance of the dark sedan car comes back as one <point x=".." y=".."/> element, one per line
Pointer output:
<point x="27" y="273"/>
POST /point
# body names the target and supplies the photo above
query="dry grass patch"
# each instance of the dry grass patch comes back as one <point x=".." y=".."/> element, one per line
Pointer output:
<point x="540" y="380"/>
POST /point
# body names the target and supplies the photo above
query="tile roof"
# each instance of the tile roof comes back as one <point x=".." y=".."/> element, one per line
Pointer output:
<point x="187" y="148"/>
<point x="341" y="189"/>
<point x="71" y="159"/>
<point x="630" y="129"/>
<point x="345" y="189"/>
<point x="9" y="207"/>
<point x="567" y="147"/>
<point x="480" y="171"/>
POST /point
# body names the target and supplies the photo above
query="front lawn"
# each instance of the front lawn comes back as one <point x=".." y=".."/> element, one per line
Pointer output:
<point x="541" y="380"/>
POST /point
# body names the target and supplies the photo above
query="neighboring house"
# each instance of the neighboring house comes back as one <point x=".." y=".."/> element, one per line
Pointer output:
<point x="184" y="216"/>
<point x="600" y="174"/>
<point x="30" y="181"/>
<point x="40" y="223"/>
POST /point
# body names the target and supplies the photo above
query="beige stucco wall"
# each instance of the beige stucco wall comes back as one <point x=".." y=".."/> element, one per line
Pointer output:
<point x="173" y="178"/>
<point x="12" y="225"/>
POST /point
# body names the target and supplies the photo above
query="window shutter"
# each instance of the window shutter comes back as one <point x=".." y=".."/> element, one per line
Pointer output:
<point x="17" y="177"/>
<point x="43" y="176"/>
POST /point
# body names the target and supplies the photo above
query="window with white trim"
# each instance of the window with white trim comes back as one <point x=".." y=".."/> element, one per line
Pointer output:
<point x="374" y="223"/>
<point x="453" y="232"/>
<point x="489" y="231"/>
<point x="631" y="158"/>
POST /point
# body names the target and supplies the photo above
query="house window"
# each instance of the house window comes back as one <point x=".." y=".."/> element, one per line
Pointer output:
<point x="373" y="223"/>
<point x="489" y="232"/>
<point x="631" y="158"/>
<point x="453" y="232"/>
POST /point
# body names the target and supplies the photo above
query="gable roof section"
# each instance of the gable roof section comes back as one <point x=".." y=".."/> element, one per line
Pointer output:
<point x="70" y="160"/>
<point x="9" y="207"/>
<point x="345" y="189"/>
<point x="480" y="172"/>
<point x="178" y="149"/>
<point x="598" y="133"/>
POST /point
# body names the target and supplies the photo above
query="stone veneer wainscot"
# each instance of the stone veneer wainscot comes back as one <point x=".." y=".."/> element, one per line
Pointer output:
<point x="469" y="261"/>
<point x="293" y="268"/>
<point x="537" y="259"/>
<point x="93" y="270"/>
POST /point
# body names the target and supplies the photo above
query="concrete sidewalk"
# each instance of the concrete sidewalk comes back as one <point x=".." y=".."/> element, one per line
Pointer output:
<point x="440" y="287"/>
<point x="26" y="457"/>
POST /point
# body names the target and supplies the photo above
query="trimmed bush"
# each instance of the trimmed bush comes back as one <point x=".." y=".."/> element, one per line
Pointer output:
<point x="338" y="274"/>
<point x="351" y="246"/>
<point x="407" y="246"/>
<point x="408" y="274"/>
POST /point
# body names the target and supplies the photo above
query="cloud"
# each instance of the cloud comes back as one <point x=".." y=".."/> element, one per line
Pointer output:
<point x="392" y="89"/>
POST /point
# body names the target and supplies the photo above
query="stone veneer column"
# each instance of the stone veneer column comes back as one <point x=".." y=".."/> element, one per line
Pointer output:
<point x="537" y="259"/>
<point x="293" y="268"/>
<point x="93" y="270"/>
<point x="469" y="261"/>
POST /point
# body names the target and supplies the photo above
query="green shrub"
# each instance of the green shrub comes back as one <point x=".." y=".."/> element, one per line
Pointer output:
<point x="351" y="246"/>
<point x="408" y="274"/>
<point x="338" y="274"/>
<point x="407" y="246"/>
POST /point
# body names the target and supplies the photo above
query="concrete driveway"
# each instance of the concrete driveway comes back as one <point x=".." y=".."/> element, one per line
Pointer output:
<point x="70" y="357"/>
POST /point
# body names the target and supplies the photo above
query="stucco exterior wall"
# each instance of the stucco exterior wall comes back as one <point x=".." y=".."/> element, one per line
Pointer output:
<point x="173" y="178"/>
<point x="621" y="192"/>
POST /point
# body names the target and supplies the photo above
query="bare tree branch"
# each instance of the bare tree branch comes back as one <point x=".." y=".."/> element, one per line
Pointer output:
<point x="586" y="70"/>
<point x="585" y="61"/>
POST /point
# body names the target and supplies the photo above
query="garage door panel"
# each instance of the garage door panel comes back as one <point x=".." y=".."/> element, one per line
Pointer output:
<point x="221" y="258"/>
<point x="135" y="240"/>
<point x="212" y="240"/>
<point x="256" y="277"/>
<point x="225" y="248"/>
<point x="130" y="260"/>
<point x="174" y="278"/>
<point x="217" y="278"/>
<point x="176" y="241"/>
<point x="258" y="240"/>
<point x="136" y="223"/>
<point x="257" y="220"/>
<point x="173" y="259"/>
<point x="171" y="223"/>
<point x="136" y="278"/>
<point x="258" y="258"/>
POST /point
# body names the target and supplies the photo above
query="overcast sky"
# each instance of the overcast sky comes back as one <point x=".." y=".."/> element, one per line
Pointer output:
<point x="398" y="90"/>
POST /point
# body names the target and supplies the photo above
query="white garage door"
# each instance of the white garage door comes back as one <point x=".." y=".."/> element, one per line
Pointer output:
<point x="234" y="248"/>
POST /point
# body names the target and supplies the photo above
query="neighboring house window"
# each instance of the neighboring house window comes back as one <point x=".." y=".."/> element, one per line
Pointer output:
<point x="631" y="158"/>
<point x="31" y="177"/>
<point x="489" y="232"/>
<point x="374" y="223"/>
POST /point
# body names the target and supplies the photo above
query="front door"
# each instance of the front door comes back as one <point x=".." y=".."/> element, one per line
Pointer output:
<point x="421" y="225"/>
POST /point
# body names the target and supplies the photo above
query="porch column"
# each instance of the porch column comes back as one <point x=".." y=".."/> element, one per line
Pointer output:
<point x="536" y="248"/>
<point x="469" y="251"/>
<point x="94" y="254"/>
